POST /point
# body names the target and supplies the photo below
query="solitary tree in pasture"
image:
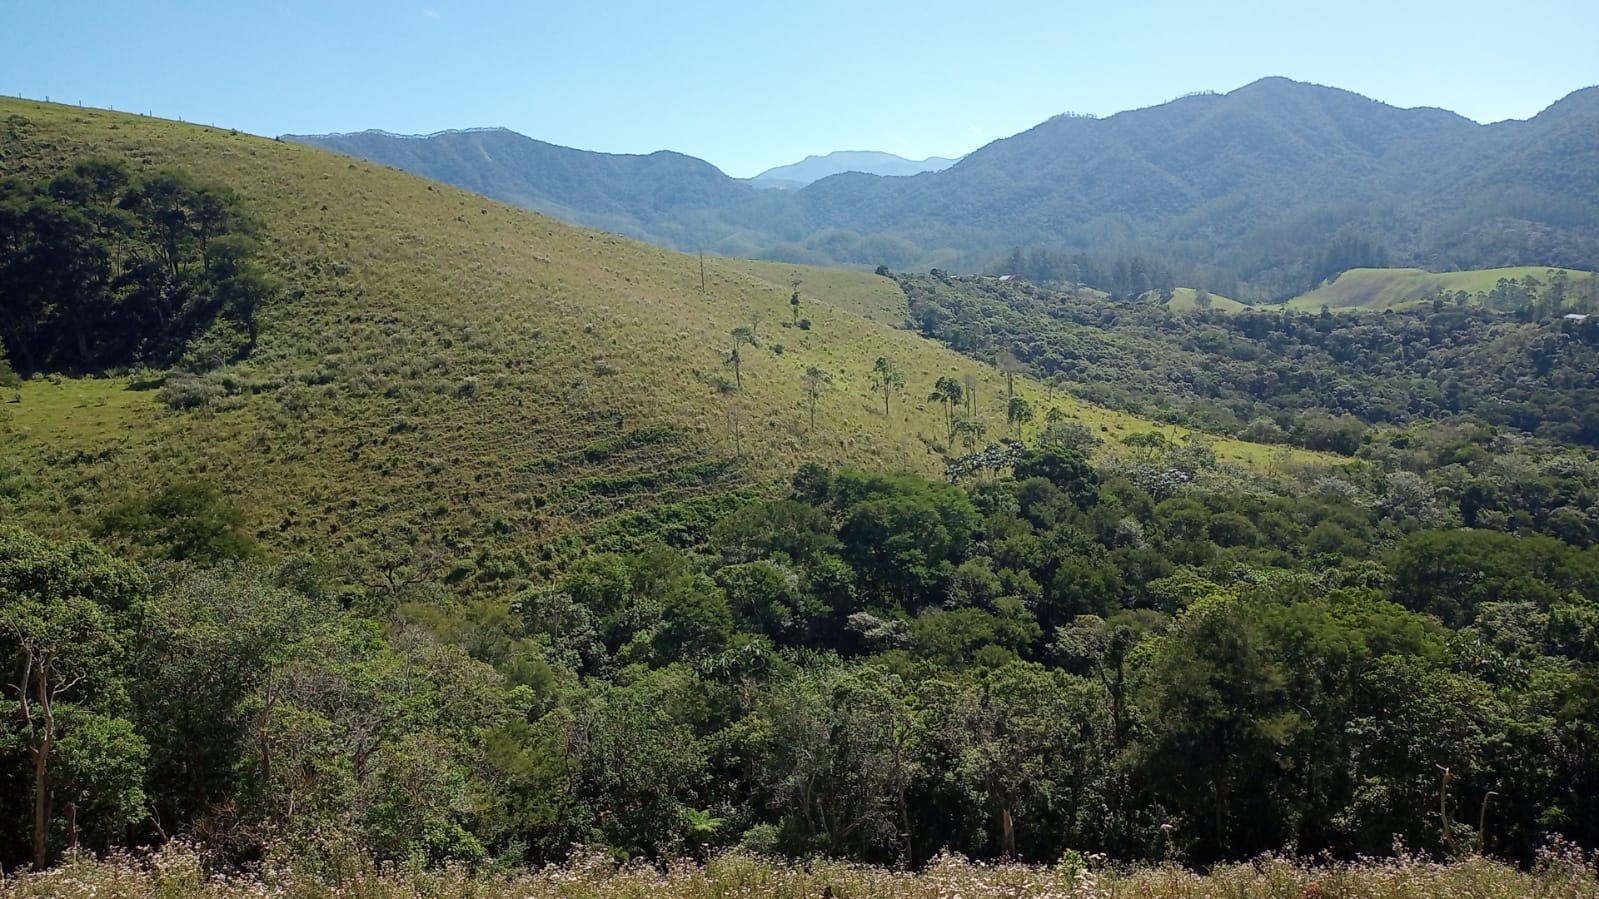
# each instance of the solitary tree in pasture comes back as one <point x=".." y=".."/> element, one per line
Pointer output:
<point x="735" y="358"/>
<point x="816" y="381"/>
<point x="948" y="391"/>
<point x="887" y="378"/>
<point x="1018" y="412"/>
<point x="1011" y="366"/>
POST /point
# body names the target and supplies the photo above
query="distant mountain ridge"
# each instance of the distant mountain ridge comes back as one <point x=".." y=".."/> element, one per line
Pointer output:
<point x="871" y="162"/>
<point x="1244" y="192"/>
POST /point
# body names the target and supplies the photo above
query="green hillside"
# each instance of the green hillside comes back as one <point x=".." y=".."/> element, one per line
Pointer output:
<point x="865" y="294"/>
<point x="1284" y="375"/>
<point x="445" y="368"/>
<point x="1375" y="289"/>
<point x="1184" y="299"/>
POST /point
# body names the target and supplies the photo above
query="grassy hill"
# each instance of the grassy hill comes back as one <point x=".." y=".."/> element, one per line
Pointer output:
<point x="1182" y="300"/>
<point x="443" y="368"/>
<point x="1376" y="289"/>
<point x="865" y="294"/>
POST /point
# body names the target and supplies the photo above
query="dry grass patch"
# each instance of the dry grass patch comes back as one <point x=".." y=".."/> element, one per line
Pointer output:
<point x="177" y="873"/>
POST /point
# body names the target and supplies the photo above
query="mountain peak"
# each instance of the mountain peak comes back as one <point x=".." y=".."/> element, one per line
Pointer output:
<point x="871" y="162"/>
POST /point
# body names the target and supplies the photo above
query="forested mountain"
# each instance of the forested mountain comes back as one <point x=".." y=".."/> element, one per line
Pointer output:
<point x="664" y="197"/>
<point x="1243" y="193"/>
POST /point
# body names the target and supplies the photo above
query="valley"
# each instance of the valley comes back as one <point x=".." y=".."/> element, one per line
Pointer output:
<point x="360" y="533"/>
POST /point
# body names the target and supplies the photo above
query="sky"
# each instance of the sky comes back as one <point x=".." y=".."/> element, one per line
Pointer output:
<point x="747" y="86"/>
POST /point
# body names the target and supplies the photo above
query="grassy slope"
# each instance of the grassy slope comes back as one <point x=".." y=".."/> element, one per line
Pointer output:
<point x="862" y="293"/>
<point x="1182" y="300"/>
<point x="1376" y="289"/>
<point x="448" y="368"/>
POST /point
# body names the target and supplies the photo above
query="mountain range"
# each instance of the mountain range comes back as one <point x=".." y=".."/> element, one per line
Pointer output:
<point x="1242" y="192"/>
<point x="814" y="168"/>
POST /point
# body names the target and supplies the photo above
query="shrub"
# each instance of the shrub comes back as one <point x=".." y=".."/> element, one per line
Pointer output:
<point x="183" y="391"/>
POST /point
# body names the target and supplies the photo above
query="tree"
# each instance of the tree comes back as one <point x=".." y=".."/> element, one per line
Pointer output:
<point x="1068" y="469"/>
<point x="794" y="299"/>
<point x="948" y="391"/>
<point x="903" y="534"/>
<point x="209" y="641"/>
<point x="245" y="286"/>
<point x="734" y="358"/>
<point x="840" y="757"/>
<point x="814" y="385"/>
<point x="1011" y="366"/>
<point x="1024" y="742"/>
<point x="971" y="431"/>
<point x="887" y="379"/>
<point x="65" y="622"/>
<point x="637" y="767"/>
<point x="1018" y="412"/>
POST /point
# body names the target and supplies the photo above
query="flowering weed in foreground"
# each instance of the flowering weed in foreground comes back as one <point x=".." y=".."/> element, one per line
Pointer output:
<point x="1562" y="872"/>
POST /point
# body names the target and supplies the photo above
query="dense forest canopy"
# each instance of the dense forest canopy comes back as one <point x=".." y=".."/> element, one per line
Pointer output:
<point x="876" y="667"/>
<point x="102" y="269"/>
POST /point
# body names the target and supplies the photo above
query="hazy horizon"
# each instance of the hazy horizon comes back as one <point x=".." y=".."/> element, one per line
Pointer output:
<point x="752" y="89"/>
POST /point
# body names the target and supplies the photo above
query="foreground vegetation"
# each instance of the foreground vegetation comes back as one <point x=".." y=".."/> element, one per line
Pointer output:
<point x="177" y="873"/>
<point x="1139" y="658"/>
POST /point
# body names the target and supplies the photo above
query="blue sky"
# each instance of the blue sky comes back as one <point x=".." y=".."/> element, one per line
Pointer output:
<point x="747" y="86"/>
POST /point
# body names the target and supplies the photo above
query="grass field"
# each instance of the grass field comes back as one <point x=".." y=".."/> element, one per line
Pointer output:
<point x="459" y="371"/>
<point x="1182" y="300"/>
<point x="176" y="874"/>
<point x="862" y="293"/>
<point x="1376" y="289"/>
